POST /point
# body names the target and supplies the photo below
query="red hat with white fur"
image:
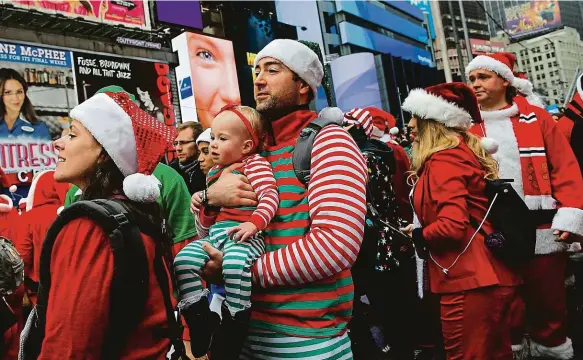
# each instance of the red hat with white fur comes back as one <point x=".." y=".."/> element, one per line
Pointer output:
<point x="453" y="104"/>
<point x="500" y="63"/>
<point x="525" y="87"/>
<point x="45" y="190"/>
<point x="133" y="138"/>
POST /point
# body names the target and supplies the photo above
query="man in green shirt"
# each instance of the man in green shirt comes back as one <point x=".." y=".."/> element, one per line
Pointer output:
<point x="174" y="200"/>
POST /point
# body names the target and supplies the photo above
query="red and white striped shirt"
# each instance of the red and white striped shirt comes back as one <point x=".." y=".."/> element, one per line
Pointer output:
<point x="260" y="175"/>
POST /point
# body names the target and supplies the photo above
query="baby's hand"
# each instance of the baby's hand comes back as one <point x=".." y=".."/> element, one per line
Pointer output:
<point x="243" y="232"/>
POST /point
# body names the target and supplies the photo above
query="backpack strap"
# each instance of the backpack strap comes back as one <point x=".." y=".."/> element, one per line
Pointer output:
<point x="302" y="155"/>
<point x="129" y="287"/>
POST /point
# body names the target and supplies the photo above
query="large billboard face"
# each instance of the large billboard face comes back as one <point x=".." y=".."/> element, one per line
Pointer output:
<point x="180" y="12"/>
<point x="207" y="76"/>
<point x="117" y="12"/>
<point x="43" y="78"/>
<point x="532" y="17"/>
<point x="147" y="81"/>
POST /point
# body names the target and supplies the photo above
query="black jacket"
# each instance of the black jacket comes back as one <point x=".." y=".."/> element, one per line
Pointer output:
<point x="192" y="174"/>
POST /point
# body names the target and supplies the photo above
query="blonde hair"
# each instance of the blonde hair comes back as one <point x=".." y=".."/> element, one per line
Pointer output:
<point x="434" y="136"/>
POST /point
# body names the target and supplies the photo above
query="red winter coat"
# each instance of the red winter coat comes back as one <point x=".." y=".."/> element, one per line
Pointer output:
<point x="402" y="187"/>
<point x="451" y="187"/>
<point x="78" y="310"/>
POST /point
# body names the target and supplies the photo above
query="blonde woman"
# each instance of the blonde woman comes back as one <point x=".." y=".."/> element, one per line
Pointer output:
<point x="451" y="169"/>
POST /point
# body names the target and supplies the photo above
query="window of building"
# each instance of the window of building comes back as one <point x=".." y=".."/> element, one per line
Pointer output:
<point x="543" y="76"/>
<point x="538" y="77"/>
<point x="534" y="59"/>
<point x="548" y="56"/>
<point x="330" y="23"/>
<point x="553" y="54"/>
<point x="546" y="47"/>
<point x="540" y="58"/>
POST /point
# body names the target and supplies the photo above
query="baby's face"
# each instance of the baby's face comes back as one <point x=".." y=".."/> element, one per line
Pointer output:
<point x="230" y="139"/>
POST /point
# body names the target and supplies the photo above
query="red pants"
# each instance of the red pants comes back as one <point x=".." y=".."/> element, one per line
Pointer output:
<point x="541" y="310"/>
<point x="476" y="323"/>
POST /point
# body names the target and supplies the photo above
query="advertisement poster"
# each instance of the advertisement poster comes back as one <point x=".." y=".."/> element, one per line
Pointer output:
<point x="180" y="12"/>
<point x="147" y="81"/>
<point x="207" y="76"/>
<point x="481" y="47"/>
<point x="25" y="145"/>
<point x="531" y="17"/>
<point x="355" y="81"/>
<point x="116" y="12"/>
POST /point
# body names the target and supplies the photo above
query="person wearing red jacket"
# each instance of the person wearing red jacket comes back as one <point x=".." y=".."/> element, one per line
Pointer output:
<point x="533" y="152"/>
<point x="110" y="152"/>
<point x="571" y="124"/>
<point x="45" y="198"/>
<point x="476" y="289"/>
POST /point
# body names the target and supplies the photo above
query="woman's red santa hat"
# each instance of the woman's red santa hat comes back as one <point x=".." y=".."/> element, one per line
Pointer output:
<point x="134" y="140"/>
<point x="503" y="65"/>
<point x="452" y="104"/>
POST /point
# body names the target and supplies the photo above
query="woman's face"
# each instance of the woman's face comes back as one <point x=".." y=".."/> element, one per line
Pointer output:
<point x="214" y="75"/>
<point x="79" y="153"/>
<point x="414" y="134"/>
<point x="204" y="157"/>
<point x="13" y="96"/>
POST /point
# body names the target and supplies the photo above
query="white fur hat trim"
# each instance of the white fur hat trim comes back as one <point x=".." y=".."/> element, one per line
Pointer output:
<point x="488" y="63"/>
<point x="428" y="106"/>
<point x="141" y="188"/>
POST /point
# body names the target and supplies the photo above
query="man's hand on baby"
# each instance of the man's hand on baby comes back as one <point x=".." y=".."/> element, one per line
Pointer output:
<point x="243" y="232"/>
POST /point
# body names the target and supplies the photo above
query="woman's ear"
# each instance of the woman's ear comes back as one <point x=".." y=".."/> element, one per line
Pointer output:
<point x="248" y="146"/>
<point x="103" y="157"/>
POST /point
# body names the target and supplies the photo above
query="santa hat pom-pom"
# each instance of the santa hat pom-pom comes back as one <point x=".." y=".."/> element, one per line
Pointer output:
<point x="489" y="144"/>
<point x="333" y="114"/>
<point x="141" y="188"/>
<point x="394" y="131"/>
<point x="12" y="188"/>
<point x="522" y="85"/>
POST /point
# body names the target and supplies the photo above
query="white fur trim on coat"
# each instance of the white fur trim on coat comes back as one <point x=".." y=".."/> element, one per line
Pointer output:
<point x="546" y="243"/>
<point x="569" y="219"/>
<point x="6" y="207"/>
<point x="428" y="106"/>
<point x="540" y="202"/>
<point x="112" y="127"/>
<point x="562" y="352"/>
<point x="579" y="89"/>
<point x="32" y="190"/>
<point x="489" y="63"/>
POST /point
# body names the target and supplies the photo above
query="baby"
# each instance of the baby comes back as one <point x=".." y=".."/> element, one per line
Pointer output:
<point x="236" y="138"/>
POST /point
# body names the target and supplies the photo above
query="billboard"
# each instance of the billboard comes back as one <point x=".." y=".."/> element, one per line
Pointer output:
<point x="531" y="17"/>
<point x="147" y="81"/>
<point x="355" y="81"/>
<point x="180" y="12"/>
<point x="25" y="147"/>
<point x="116" y="12"/>
<point x="480" y="47"/>
<point x="425" y="7"/>
<point x="207" y="76"/>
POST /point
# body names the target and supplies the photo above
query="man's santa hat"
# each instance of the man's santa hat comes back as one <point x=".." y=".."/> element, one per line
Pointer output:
<point x="45" y="190"/>
<point x="381" y="121"/>
<point x="134" y="140"/>
<point x="503" y="65"/>
<point x="360" y="118"/>
<point x="452" y="104"/>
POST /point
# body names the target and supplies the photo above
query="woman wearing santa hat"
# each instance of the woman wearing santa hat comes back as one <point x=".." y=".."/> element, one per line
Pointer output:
<point x="476" y="289"/>
<point x="536" y="156"/>
<point x="110" y="152"/>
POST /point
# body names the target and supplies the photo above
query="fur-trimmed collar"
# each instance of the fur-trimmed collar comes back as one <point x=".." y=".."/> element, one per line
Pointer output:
<point x="502" y="114"/>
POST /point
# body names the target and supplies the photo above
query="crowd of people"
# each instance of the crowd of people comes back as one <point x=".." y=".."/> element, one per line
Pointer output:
<point x="282" y="233"/>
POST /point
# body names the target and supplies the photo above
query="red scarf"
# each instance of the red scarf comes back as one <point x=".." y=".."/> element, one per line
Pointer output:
<point x="288" y="127"/>
<point x="533" y="158"/>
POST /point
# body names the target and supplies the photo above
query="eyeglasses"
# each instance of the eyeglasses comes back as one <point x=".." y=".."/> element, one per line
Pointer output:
<point x="18" y="93"/>
<point x="182" y="142"/>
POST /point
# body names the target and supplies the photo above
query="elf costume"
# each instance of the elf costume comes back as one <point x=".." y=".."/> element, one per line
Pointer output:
<point x="532" y="151"/>
<point x="304" y="296"/>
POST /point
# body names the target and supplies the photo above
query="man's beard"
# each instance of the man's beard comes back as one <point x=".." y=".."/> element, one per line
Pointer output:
<point x="275" y="107"/>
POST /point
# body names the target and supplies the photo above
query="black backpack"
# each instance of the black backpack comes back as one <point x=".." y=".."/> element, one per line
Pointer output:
<point x="384" y="247"/>
<point x="129" y="288"/>
<point x="11" y="267"/>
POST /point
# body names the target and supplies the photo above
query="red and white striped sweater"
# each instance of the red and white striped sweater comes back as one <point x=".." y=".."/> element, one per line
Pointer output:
<point x="337" y="209"/>
<point x="260" y="175"/>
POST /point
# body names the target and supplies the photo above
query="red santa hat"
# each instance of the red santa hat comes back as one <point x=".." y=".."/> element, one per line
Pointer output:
<point x="453" y="104"/>
<point x="133" y="139"/>
<point x="500" y="63"/>
<point x="360" y="118"/>
<point x="45" y="190"/>
<point x="525" y="87"/>
<point x="6" y="204"/>
<point x="381" y="121"/>
<point x="3" y="180"/>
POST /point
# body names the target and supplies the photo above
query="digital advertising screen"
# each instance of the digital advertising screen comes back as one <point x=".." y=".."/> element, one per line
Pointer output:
<point x="532" y="17"/>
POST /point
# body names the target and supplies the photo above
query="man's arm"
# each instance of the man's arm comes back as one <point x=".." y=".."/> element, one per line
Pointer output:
<point x="337" y="203"/>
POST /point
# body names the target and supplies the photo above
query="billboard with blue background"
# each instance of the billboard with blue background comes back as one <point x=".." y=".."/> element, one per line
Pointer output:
<point x="425" y="7"/>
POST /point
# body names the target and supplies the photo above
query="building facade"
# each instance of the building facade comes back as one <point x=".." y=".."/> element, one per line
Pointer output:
<point x="550" y="61"/>
<point x="475" y="20"/>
